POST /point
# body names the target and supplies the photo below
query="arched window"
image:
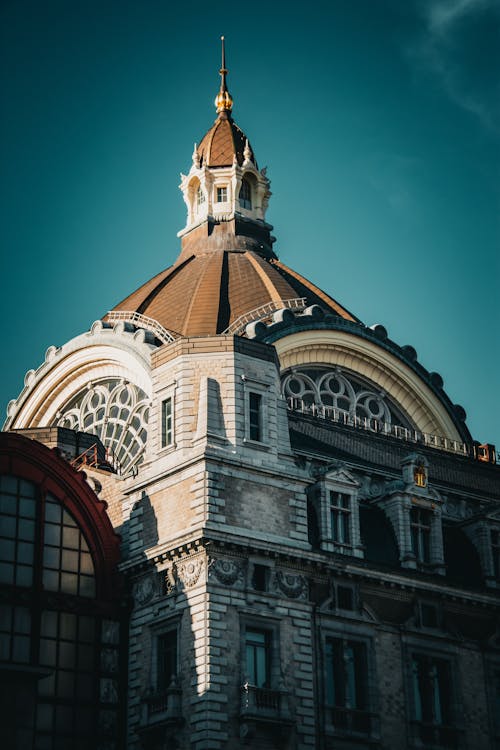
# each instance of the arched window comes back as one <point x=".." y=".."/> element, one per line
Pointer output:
<point x="245" y="194"/>
<point x="61" y="617"/>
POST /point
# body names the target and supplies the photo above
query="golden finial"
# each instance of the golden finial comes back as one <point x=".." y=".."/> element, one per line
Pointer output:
<point x="223" y="100"/>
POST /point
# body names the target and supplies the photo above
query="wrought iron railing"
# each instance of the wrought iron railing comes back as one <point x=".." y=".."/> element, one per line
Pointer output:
<point x="436" y="735"/>
<point x="332" y="414"/>
<point x="263" y="312"/>
<point x="263" y="701"/>
<point x="351" y="720"/>
<point x="162" y="704"/>
<point x="142" y="321"/>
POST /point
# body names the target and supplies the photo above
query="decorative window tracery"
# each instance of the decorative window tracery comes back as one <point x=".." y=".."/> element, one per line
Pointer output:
<point x="338" y="390"/>
<point x="117" y="412"/>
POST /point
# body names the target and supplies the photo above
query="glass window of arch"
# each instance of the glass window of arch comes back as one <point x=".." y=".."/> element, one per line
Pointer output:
<point x="200" y="196"/>
<point x="50" y="621"/>
<point x="245" y="194"/>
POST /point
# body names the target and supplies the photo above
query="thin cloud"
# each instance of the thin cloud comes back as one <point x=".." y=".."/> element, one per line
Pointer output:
<point x="458" y="45"/>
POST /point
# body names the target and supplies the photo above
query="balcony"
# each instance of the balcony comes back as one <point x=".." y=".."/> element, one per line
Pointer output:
<point x="430" y="736"/>
<point x="161" y="714"/>
<point x="264" y="703"/>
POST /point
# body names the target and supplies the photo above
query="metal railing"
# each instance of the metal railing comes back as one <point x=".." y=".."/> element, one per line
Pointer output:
<point x="369" y="424"/>
<point x="351" y="720"/>
<point x="260" y="701"/>
<point x="142" y="321"/>
<point x="98" y="457"/>
<point x="263" y="312"/>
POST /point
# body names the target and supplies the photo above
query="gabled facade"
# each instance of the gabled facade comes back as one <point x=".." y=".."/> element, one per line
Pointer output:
<point x="309" y="533"/>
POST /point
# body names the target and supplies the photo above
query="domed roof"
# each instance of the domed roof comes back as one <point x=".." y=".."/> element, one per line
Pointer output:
<point x="224" y="141"/>
<point x="227" y="274"/>
<point x="208" y="293"/>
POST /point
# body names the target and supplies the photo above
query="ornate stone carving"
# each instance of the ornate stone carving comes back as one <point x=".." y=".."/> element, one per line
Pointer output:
<point x="227" y="572"/>
<point x="292" y="585"/>
<point x="144" y="590"/>
<point x="190" y="570"/>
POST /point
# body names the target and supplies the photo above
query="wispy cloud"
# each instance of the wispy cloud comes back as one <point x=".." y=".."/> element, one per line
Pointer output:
<point x="459" y="46"/>
<point x="393" y="176"/>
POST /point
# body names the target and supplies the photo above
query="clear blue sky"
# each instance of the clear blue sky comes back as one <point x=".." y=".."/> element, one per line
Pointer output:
<point x="378" y="120"/>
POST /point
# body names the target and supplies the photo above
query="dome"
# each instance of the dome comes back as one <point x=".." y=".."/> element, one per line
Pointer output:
<point x="227" y="274"/>
<point x="209" y="292"/>
<point x="223" y="142"/>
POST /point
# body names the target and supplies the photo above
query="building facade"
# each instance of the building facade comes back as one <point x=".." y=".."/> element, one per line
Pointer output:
<point x="283" y="533"/>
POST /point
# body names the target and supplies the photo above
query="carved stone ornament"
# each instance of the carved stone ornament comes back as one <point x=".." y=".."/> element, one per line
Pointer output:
<point x="292" y="585"/>
<point x="189" y="571"/>
<point x="227" y="571"/>
<point x="143" y="590"/>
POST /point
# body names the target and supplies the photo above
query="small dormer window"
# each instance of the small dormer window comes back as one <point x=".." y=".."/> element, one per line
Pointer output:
<point x="340" y="513"/>
<point x="200" y="196"/>
<point x="245" y="195"/>
<point x="222" y="194"/>
<point x="420" y="523"/>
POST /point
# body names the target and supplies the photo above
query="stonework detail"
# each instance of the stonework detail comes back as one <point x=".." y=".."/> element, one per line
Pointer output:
<point x="292" y="585"/>
<point x="190" y="570"/>
<point x="144" y="590"/>
<point x="227" y="572"/>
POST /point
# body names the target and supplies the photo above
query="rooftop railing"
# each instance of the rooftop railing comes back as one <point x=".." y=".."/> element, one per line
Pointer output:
<point x="331" y="414"/>
<point x="142" y="321"/>
<point x="263" y="312"/>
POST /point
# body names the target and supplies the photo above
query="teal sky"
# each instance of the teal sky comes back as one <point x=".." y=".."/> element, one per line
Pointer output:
<point x="378" y="120"/>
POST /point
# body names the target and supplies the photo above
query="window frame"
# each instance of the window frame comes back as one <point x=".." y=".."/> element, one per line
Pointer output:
<point x="221" y="190"/>
<point x="361" y="720"/>
<point x="257" y="388"/>
<point x="271" y="627"/>
<point x="421" y="729"/>
<point x="421" y="521"/>
<point x="245" y="200"/>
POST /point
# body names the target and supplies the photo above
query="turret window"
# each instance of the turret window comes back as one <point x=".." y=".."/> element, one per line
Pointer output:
<point x="200" y="196"/>
<point x="245" y="195"/>
<point x="222" y="194"/>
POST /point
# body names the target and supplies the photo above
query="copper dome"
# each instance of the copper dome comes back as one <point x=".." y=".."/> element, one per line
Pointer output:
<point x="222" y="143"/>
<point x="205" y="293"/>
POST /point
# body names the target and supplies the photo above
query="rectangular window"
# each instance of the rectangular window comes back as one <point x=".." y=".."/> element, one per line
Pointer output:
<point x="255" y="416"/>
<point x="420" y="523"/>
<point x="340" y="515"/>
<point x="221" y="194"/>
<point x="258" y="657"/>
<point x="166" y="658"/>
<point x="431" y="686"/>
<point x="167" y="425"/>
<point x="346" y="684"/>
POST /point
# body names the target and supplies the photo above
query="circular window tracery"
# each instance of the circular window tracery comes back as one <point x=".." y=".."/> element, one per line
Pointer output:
<point x="117" y="412"/>
<point x="340" y="391"/>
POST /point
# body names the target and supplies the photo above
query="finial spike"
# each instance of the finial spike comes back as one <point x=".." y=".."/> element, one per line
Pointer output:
<point x="223" y="100"/>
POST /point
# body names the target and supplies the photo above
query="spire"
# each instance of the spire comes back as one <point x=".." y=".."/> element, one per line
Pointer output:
<point x="223" y="100"/>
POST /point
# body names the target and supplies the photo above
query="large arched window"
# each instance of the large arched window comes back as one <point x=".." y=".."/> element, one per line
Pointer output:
<point x="117" y="412"/>
<point x="61" y="617"/>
